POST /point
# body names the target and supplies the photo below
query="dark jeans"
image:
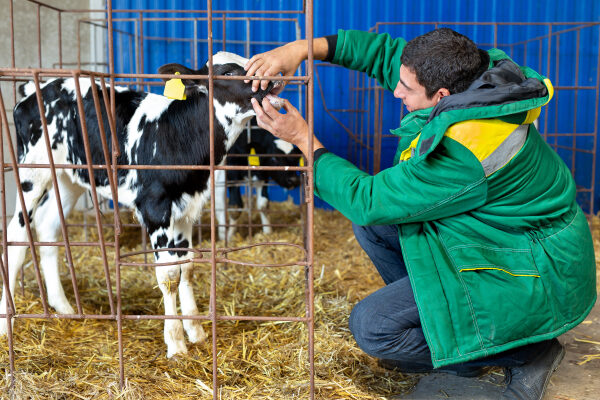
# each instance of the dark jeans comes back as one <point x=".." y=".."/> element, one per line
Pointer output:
<point x="386" y="324"/>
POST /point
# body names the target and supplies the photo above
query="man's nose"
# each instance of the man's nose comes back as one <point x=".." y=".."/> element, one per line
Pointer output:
<point x="398" y="93"/>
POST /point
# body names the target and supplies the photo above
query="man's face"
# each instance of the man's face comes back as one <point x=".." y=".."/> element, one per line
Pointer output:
<point x="412" y="93"/>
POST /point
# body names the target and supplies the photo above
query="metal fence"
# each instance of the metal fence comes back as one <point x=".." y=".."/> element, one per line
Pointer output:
<point x="104" y="99"/>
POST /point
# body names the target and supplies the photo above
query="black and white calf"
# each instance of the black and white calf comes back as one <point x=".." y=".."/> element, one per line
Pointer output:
<point x="151" y="129"/>
<point x="277" y="153"/>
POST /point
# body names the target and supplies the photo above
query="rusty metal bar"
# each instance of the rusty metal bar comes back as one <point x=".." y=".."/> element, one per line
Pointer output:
<point x="60" y="61"/>
<point x="574" y="141"/>
<point x="25" y="217"/>
<point x="59" y="207"/>
<point x="12" y="46"/>
<point x="141" y="47"/>
<point x="310" y="306"/>
<point x="596" y="117"/>
<point x="4" y="128"/>
<point x="161" y="317"/>
<point x="10" y="307"/>
<point x="39" y="37"/>
<point x="115" y="153"/>
<point x="88" y="156"/>
<point x="549" y="51"/>
<point x="213" y="261"/>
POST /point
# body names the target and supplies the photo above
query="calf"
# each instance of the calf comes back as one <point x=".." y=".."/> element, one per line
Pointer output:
<point x="151" y="129"/>
<point x="276" y="153"/>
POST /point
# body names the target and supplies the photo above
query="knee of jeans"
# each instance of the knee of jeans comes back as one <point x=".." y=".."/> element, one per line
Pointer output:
<point x="365" y="328"/>
<point x="360" y="233"/>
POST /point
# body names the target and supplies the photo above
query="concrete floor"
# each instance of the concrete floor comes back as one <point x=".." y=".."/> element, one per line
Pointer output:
<point x="571" y="381"/>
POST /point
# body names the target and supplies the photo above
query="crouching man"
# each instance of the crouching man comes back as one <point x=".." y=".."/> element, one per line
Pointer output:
<point x="485" y="254"/>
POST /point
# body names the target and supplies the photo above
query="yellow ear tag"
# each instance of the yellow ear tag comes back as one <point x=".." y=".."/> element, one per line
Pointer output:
<point x="253" y="160"/>
<point x="301" y="163"/>
<point x="174" y="89"/>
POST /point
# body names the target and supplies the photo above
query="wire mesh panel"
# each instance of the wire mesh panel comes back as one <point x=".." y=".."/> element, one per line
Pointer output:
<point x="80" y="132"/>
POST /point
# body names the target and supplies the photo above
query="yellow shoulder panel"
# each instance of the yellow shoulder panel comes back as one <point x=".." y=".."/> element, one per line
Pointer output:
<point x="481" y="136"/>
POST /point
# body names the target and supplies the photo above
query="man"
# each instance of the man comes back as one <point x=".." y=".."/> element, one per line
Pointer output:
<point x="486" y="256"/>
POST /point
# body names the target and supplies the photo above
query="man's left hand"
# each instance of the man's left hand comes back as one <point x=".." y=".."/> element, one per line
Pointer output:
<point x="290" y="126"/>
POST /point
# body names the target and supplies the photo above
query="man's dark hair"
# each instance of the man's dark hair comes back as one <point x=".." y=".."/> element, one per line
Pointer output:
<point x="444" y="58"/>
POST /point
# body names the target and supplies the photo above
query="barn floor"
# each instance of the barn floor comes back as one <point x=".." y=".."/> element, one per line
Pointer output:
<point x="61" y="359"/>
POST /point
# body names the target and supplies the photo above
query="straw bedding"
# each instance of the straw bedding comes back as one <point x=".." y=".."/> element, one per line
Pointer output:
<point x="78" y="359"/>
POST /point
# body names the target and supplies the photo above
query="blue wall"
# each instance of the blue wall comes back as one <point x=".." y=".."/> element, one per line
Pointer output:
<point x="352" y="14"/>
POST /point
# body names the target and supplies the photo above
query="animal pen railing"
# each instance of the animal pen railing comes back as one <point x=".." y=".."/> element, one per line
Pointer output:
<point x="104" y="99"/>
<point x="565" y="52"/>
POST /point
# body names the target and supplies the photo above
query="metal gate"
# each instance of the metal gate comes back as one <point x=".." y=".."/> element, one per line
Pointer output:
<point x="127" y="68"/>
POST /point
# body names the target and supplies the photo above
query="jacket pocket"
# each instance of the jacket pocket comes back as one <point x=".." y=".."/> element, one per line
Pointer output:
<point x="503" y="291"/>
<point x="565" y="259"/>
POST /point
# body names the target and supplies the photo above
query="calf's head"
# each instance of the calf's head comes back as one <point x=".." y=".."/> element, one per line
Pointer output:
<point x="281" y="153"/>
<point x="233" y="95"/>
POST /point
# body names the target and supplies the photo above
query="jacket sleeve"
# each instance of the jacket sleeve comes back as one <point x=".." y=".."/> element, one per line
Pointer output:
<point x="376" y="54"/>
<point x="443" y="184"/>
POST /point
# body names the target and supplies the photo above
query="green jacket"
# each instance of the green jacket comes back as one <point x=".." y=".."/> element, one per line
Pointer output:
<point x="498" y="252"/>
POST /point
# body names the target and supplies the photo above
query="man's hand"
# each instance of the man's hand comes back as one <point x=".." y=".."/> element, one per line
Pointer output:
<point x="290" y="127"/>
<point x="285" y="60"/>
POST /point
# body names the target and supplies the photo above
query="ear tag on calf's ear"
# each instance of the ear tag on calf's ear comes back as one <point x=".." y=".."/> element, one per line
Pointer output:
<point x="174" y="89"/>
<point x="253" y="160"/>
<point x="301" y="162"/>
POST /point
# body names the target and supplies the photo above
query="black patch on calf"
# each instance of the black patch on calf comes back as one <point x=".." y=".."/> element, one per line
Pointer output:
<point x="142" y="123"/>
<point x="22" y="220"/>
<point x="181" y="244"/>
<point x="44" y="198"/>
<point x="27" y="186"/>
<point x="161" y="241"/>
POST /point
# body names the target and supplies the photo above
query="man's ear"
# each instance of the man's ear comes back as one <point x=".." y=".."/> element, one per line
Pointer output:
<point x="443" y="92"/>
<point x="440" y="94"/>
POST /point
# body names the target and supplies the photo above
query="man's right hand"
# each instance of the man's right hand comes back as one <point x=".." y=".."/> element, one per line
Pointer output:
<point x="285" y="60"/>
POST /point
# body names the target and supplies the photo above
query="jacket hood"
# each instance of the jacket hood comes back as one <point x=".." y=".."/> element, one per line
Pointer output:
<point x="503" y="83"/>
<point x="506" y="90"/>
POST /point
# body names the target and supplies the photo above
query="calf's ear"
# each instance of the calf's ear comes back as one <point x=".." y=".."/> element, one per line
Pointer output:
<point x="183" y="70"/>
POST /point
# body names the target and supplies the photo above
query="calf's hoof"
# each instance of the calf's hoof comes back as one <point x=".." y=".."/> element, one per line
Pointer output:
<point x="194" y="331"/>
<point x="176" y="349"/>
<point x="63" y="308"/>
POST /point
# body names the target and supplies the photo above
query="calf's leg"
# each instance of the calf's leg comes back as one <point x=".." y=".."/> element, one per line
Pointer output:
<point x="47" y="226"/>
<point x="183" y="238"/>
<point x="175" y="278"/>
<point x="262" y="202"/>
<point x="35" y="183"/>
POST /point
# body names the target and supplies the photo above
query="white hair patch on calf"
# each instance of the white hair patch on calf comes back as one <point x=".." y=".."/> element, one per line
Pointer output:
<point x="284" y="146"/>
<point x="223" y="57"/>
<point x="84" y="86"/>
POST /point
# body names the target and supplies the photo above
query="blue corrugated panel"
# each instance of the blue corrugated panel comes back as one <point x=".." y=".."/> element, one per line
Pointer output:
<point x="331" y="15"/>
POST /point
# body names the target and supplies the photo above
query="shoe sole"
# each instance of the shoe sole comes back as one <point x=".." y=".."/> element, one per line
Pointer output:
<point x="555" y="365"/>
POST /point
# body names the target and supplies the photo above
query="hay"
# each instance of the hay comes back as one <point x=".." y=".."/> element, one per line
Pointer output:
<point x="72" y="359"/>
<point x="78" y="359"/>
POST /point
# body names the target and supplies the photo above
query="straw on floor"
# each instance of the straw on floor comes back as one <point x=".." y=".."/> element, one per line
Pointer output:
<point x="78" y="359"/>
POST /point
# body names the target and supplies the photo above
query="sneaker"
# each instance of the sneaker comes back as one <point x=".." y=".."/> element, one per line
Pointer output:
<point x="417" y="368"/>
<point x="529" y="381"/>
